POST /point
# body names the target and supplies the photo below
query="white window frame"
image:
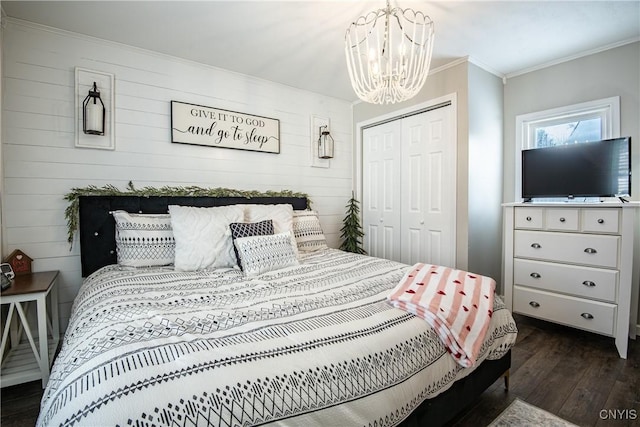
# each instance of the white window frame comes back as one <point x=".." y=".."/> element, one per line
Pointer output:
<point x="608" y="109"/>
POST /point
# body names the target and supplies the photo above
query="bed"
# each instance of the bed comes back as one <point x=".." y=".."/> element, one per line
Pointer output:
<point x="310" y="343"/>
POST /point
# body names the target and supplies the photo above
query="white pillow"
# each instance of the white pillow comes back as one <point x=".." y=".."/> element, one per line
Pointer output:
<point x="260" y="254"/>
<point x="308" y="232"/>
<point x="144" y="240"/>
<point x="203" y="237"/>
<point x="281" y="215"/>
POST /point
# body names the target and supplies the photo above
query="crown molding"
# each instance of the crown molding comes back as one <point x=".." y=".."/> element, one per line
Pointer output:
<point x="572" y="57"/>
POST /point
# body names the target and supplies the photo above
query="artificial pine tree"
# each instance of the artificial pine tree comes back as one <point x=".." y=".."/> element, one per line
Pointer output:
<point x="351" y="228"/>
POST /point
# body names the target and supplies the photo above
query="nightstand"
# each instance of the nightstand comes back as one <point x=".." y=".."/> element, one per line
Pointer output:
<point x="29" y="360"/>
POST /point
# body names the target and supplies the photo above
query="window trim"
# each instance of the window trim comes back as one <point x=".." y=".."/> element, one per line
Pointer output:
<point x="607" y="108"/>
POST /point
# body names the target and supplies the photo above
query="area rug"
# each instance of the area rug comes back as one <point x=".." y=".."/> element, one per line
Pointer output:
<point x="521" y="413"/>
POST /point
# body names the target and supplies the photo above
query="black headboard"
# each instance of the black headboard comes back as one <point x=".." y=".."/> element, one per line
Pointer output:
<point x="98" y="228"/>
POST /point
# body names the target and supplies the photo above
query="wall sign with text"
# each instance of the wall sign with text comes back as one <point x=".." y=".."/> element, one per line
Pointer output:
<point x="200" y="125"/>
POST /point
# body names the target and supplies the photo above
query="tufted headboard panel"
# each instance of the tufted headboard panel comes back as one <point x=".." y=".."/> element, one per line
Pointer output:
<point x="98" y="228"/>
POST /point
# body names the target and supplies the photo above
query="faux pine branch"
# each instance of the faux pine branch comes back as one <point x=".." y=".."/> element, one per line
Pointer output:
<point x="72" y="213"/>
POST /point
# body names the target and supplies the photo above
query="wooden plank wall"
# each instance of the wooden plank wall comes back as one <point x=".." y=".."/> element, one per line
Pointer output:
<point x="41" y="163"/>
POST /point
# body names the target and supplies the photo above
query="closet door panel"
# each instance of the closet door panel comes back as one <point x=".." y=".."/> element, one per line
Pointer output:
<point x="440" y="209"/>
<point x="414" y="243"/>
<point x="381" y="201"/>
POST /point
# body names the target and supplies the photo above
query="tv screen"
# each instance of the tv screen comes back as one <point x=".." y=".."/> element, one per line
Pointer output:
<point x="589" y="169"/>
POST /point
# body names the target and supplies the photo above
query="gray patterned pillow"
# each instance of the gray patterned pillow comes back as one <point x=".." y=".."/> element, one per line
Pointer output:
<point x="261" y="254"/>
<point x="308" y="232"/>
<point x="144" y="240"/>
<point x="247" y="229"/>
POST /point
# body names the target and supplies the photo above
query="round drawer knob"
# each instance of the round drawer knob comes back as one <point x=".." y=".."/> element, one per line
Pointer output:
<point x="587" y="316"/>
<point x="536" y="246"/>
<point x="534" y="304"/>
<point x="600" y="221"/>
<point x="590" y="251"/>
<point x="562" y="219"/>
<point x="589" y="283"/>
<point x="528" y="218"/>
<point x="535" y="275"/>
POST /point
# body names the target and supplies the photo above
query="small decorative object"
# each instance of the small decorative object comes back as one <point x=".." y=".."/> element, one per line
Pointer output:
<point x="95" y="108"/>
<point x="20" y="262"/>
<point x="213" y="127"/>
<point x="325" y="143"/>
<point x="6" y="275"/>
<point x="351" y="228"/>
<point x="5" y="268"/>
<point x="5" y="282"/>
<point x="388" y="54"/>
<point x="93" y="113"/>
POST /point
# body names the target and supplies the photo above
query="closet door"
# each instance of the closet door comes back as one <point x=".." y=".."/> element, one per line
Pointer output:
<point x="409" y="189"/>
<point x="381" y="199"/>
<point x="428" y="188"/>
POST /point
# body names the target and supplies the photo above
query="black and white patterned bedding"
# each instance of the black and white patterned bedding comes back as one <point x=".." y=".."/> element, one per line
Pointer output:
<point x="312" y="344"/>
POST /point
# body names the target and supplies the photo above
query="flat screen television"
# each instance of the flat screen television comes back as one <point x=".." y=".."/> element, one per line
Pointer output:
<point x="589" y="169"/>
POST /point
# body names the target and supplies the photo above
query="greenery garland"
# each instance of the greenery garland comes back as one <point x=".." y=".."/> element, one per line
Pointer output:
<point x="72" y="212"/>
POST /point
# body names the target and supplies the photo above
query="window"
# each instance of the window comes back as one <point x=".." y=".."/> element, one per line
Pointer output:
<point x="589" y="121"/>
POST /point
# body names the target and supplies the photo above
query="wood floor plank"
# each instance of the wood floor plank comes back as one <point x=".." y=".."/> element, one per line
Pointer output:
<point x="592" y="390"/>
<point x="622" y="407"/>
<point x="559" y="382"/>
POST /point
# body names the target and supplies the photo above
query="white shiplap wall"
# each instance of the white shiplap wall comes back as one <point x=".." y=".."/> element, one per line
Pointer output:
<point x="41" y="163"/>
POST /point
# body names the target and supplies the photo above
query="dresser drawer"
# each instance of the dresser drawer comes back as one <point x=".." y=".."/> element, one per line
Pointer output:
<point x="561" y="219"/>
<point x="528" y="217"/>
<point x="592" y="316"/>
<point x="586" y="282"/>
<point x="600" y="220"/>
<point x="586" y="249"/>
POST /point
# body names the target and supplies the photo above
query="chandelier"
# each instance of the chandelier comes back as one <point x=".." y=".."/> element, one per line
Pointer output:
<point x="388" y="54"/>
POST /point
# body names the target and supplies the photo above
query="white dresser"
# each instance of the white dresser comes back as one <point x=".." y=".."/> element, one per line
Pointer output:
<point x="573" y="264"/>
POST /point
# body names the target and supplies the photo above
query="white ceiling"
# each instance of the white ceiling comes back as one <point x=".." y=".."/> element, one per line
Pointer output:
<point x="300" y="43"/>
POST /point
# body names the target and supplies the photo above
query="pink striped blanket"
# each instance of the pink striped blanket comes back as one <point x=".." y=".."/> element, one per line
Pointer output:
<point x="456" y="303"/>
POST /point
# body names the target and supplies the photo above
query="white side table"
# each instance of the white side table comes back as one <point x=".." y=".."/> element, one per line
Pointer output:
<point x="17" y="363"/>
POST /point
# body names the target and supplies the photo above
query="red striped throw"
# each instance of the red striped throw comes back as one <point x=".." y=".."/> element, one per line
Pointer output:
<point x="457" y="304"/>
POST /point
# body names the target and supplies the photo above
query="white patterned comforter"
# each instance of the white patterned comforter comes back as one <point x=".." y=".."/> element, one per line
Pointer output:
<point x="314" y="344"/>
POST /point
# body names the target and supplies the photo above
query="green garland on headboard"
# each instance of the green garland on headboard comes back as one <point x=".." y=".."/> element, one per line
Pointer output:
<point x="72" y="215"/>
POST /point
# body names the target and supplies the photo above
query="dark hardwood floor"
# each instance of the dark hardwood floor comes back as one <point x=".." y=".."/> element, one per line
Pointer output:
<point x="573" y="374"/>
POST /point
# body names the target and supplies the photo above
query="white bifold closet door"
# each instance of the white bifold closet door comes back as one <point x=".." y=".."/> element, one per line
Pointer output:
<point x="409" y="191"/>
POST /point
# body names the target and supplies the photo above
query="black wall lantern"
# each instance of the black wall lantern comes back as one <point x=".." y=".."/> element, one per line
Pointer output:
<point x="325" y="143"/>
<point x="93" y="113"/>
